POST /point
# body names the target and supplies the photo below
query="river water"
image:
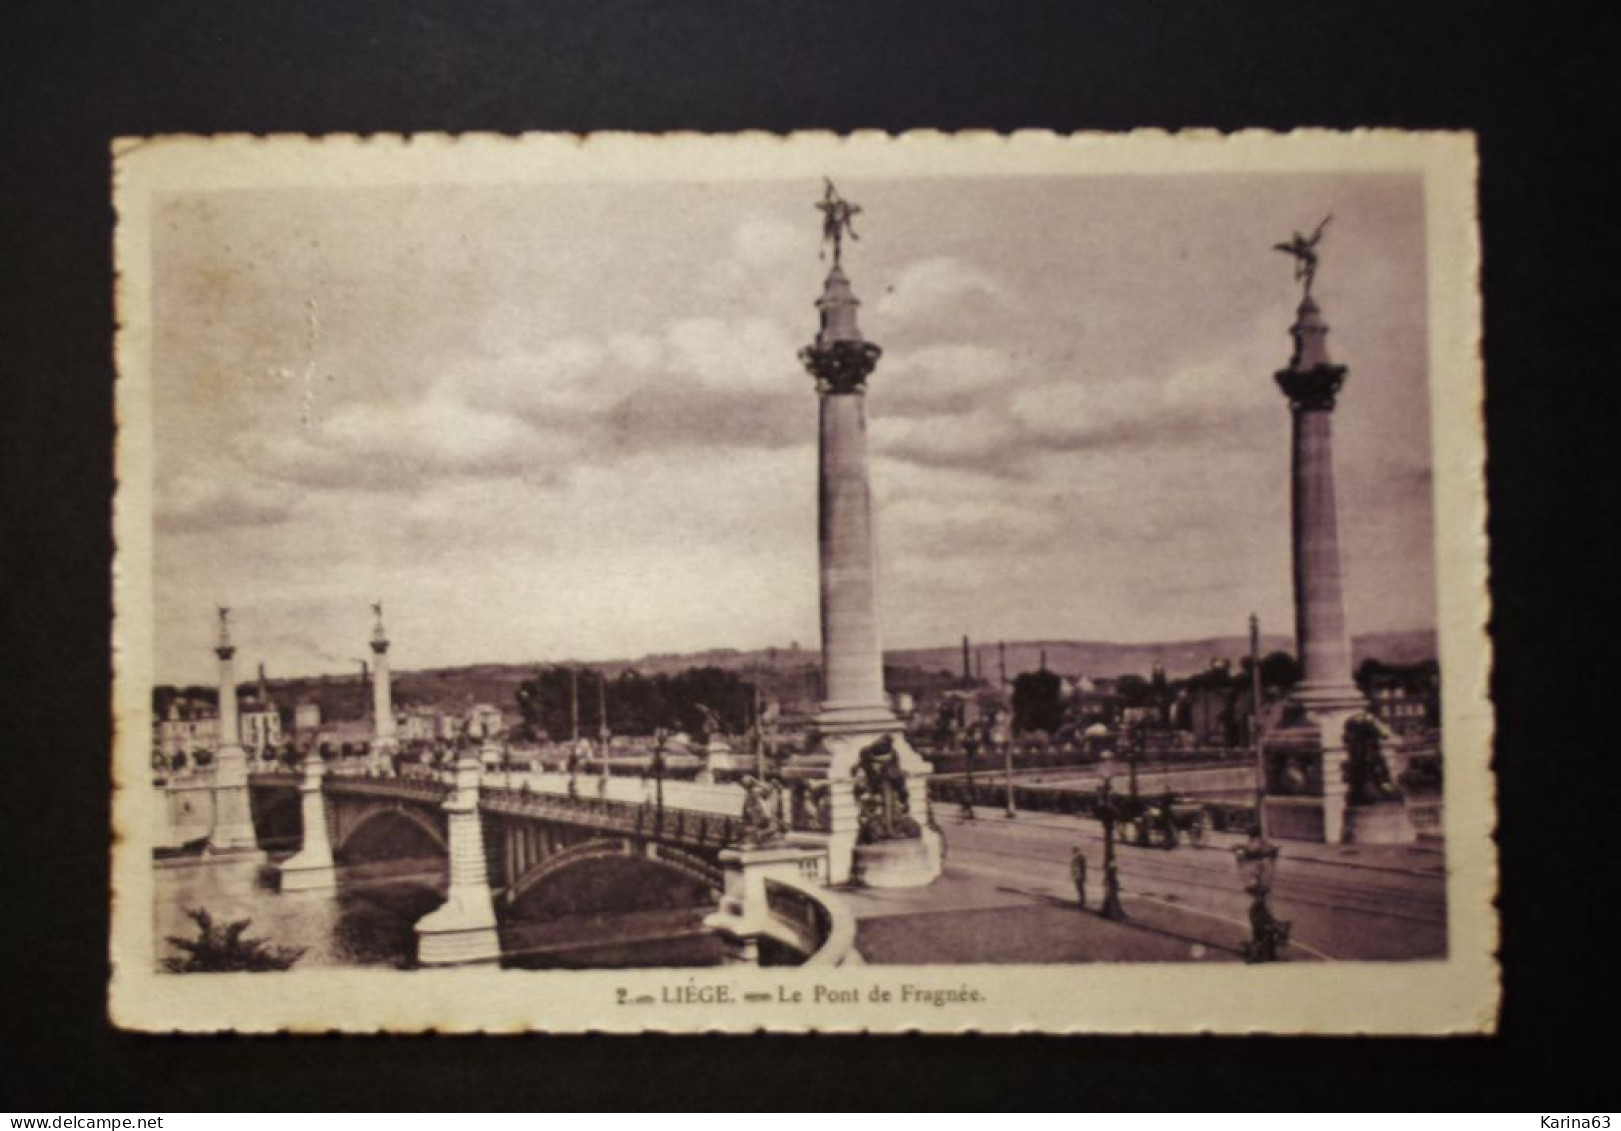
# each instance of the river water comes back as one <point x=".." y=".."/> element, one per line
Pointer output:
<point x="370" y="919"/>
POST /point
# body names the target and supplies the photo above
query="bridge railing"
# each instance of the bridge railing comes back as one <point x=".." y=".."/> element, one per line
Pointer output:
<point x="410" y="789"/>
<point x="687" y="826"/>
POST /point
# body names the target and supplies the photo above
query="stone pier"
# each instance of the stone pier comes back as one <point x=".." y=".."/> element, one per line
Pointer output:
<point x="744" y="917"/>
<point x="462" y="929"/>
<point x="312" y="867"/>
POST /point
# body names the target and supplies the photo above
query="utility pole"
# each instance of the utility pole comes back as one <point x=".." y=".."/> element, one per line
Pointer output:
<point x="757" y="734"/>
<point x="574" y="705"/>
<point x="1255" y="726"/>
<point x="1004" y="731"/>
<point x="604" y="735"/>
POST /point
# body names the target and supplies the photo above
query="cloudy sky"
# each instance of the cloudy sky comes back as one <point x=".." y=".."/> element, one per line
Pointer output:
<point x="550" y="421"/>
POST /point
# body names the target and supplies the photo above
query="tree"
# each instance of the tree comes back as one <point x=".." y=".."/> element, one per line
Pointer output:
<point x="1279" y="670"/>
<point x="637" y="704"/>
<point x="1134" y="691"/>
<point x="224" y="948"/>
<point x="1038" y="702"/>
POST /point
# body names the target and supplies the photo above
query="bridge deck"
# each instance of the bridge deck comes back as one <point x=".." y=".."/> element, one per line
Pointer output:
<point x="710" y="823"/>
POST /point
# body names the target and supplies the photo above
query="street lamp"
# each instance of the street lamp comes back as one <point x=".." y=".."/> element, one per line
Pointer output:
<point x="1134" y="749"/>
<point x="1110" y="908"/>
<point x="970" y="747"/>
<point x="1259" y="751"/>
<point x="1002" y="735"/>
<point x="1257" y="860"/>
<point x="658" y="779"/>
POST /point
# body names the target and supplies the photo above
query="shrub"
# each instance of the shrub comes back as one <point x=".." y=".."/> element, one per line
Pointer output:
<point x="223" y="948"/>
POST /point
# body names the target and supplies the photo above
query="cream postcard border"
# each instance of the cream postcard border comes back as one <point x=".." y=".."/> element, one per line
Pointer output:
<point x="1457" y="995"/>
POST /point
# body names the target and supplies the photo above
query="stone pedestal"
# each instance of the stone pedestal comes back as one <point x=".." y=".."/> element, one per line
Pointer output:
<point x="1314" y="741"/>
<point x="834" y="755"/>
<point x="463" y="928"/>
<point x="744" y="917"/>
<point x="233" y="813"/>
<point x="907" y="863"/>
<point x="311" y="868"/>
<point x="721" y="762"/>
<point x="1383" y="822"/>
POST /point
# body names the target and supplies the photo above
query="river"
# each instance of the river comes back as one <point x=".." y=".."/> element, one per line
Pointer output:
<point x="369" y="920"/>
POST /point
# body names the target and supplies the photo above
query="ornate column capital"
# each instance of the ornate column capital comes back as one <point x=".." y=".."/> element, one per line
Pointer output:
<point x="841" y="367"/>
<point x="1312" y="390"/>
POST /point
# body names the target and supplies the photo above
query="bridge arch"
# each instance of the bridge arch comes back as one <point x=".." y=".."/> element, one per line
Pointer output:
<point x="664" y="856"/>
<point x="348" y="826"/>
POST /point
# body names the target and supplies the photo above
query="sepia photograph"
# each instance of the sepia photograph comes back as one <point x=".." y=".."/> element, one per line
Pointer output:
<point x="683" y="583"/>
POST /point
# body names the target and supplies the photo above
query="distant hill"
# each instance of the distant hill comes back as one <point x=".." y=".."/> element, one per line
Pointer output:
<point x="1179" y="658"/>
<point x="790" y="672"/>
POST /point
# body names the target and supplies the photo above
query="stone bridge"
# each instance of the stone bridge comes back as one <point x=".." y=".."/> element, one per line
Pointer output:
<point x="505" y="835"/>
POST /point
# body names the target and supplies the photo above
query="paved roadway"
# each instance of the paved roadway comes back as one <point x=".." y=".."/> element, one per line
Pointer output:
<point x="1006" y="896"/>
<point x="1345" y="902"/>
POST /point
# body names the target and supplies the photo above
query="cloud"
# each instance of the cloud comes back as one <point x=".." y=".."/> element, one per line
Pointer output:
<point x="985" y="439"/>
<point x="760" y="242"/>
<point x="930" y="286"/>
<point x="399" y="447"/>
<point x="942" y="379"/>
<point x="189" y="503"/>
<point x="738" y="356"/>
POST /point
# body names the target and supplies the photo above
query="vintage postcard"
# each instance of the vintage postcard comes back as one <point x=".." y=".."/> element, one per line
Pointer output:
<point x="687" y="583"/>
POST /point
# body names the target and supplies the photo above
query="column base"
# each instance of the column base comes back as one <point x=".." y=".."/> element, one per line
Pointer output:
<point x="910" y="863"/>
<point x="458" y="932"/>
<point x="236" y="855"/>
<point x="839" y="735"/>
<point x="871" y="719"/>
<point x="1316" y="698"/>
<point x="234" y="840"/>
<point x="308" y="873"/>
<point x="1382" y="822"/>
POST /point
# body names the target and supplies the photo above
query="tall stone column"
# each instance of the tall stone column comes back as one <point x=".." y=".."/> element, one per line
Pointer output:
<point x="312" y="867"/>
<point x="854" y="712"/>
<point x="1312" y="384"/>
<point x="384" y="740"/>
<point x="1326" y="697"/>
<point x="462" y="929"/>
<point x="233" y="815"/>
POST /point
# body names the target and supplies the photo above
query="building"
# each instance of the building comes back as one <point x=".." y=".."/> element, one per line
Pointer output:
<point x="260" y="726"/>
<point x="1405" y="711"/>
<point x="422" y="724"/>
<point x="193" y="724"/>
<point x="486" y="721"/>
<point x="307" y="718"/>
<point x="1207" y="712"/>
<point x="189" y="726"/>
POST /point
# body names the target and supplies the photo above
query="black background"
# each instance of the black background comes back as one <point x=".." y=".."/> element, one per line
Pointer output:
<point x="1528" y="78"/>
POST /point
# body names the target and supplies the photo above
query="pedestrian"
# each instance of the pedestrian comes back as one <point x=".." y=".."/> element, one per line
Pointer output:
<point x="1077" y="873"/>
<point x="1112" y="908"/>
